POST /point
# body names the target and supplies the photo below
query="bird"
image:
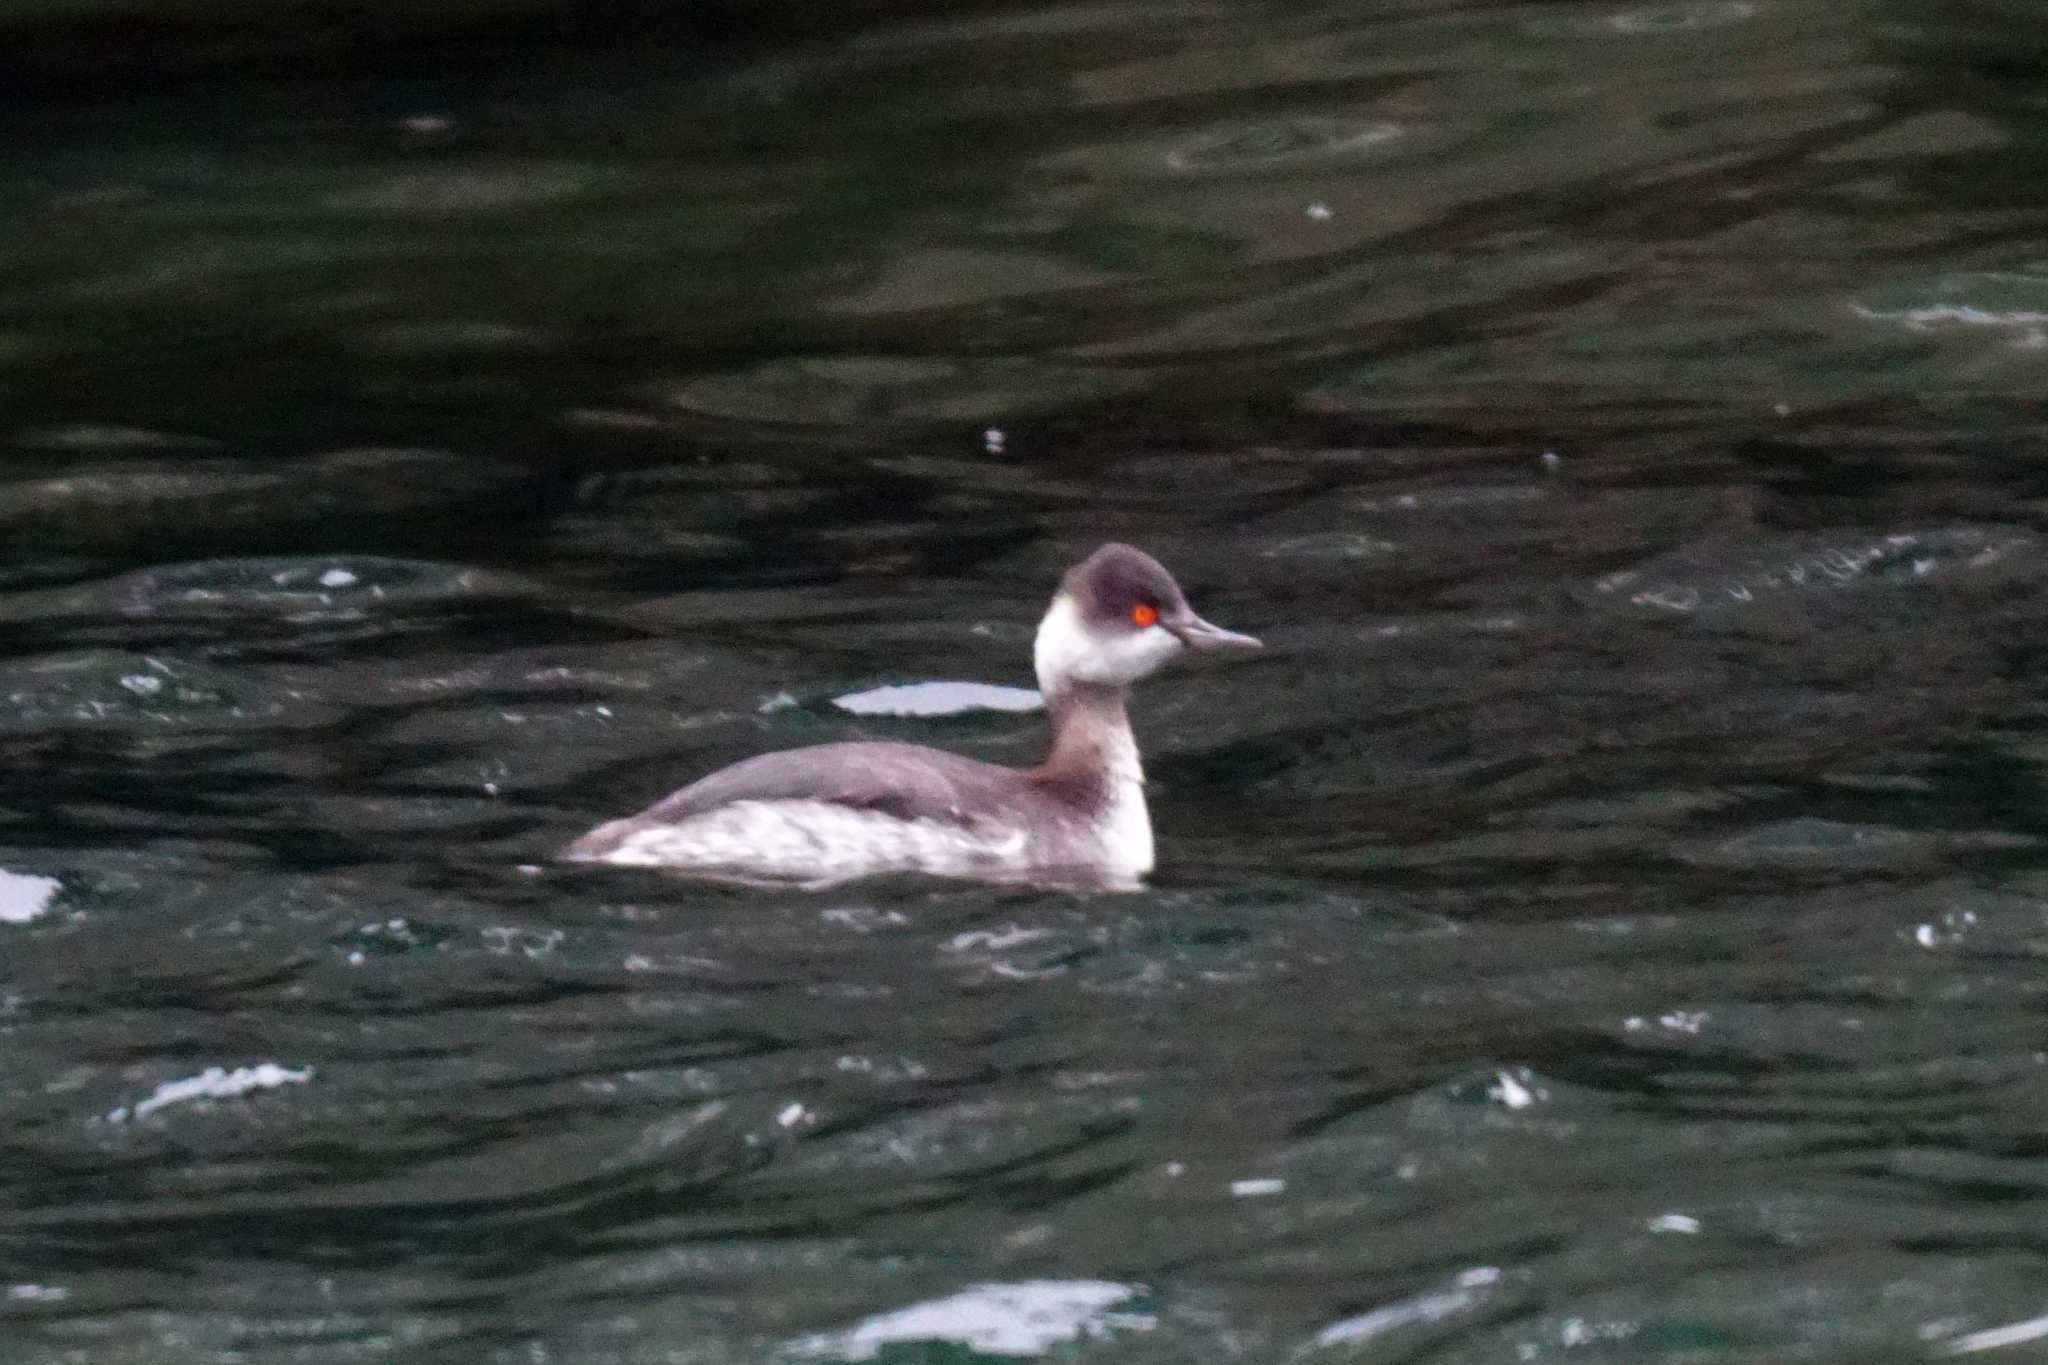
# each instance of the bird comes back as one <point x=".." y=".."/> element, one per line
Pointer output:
<point x="824" y="815"/>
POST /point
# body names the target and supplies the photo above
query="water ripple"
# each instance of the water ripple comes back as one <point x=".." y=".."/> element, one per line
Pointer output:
<point x="1287" y="142"/>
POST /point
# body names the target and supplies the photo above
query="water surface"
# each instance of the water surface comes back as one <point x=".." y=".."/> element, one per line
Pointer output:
<point x="1605" y="924"/>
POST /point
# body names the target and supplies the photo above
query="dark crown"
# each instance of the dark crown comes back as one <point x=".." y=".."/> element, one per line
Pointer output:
<point x="1116" y="578"/>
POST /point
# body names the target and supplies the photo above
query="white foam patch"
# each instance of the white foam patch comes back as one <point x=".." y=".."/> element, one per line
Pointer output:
<point x="1470" y="1289"/>
<point x="938" y="699"/>
<point x="25" y="896"/>
<point x="38" y="1293"/>
<point x="214" y="1083"/>
<point x="1961" y="314"/>
<point x="1506" y="1090"/>
<point x="995" y="941"/>
<point x="2012" y="300"/>
<point x="2033" y="1329"/>
<point x="1026" y="1318"/>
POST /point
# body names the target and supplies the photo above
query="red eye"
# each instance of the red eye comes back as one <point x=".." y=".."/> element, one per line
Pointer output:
<point x="1144" y="614"/>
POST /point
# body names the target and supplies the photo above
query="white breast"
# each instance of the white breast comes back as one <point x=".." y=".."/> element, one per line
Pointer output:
<point x="1127" y="829"/>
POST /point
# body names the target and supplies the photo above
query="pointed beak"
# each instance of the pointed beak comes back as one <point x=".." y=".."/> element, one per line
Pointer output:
<point x="1196" y="633"/>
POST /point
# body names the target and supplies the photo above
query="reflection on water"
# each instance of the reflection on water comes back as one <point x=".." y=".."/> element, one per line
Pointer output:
<point x="1604" y="924"/>
<point x="1600" y="21"/>
<point x="1281" y="144"/>
<point x="1688" y="581"/>
<point x="2016" y="301"/>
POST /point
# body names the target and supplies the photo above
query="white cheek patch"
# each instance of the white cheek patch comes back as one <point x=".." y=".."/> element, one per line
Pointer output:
<point x="1127" y="658"/>
<point x="1066" y="648"/>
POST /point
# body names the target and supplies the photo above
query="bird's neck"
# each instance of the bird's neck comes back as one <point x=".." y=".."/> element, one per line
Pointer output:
<point x="1091" y="735"/>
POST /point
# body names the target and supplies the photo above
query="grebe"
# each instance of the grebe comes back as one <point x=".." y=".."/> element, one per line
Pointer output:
<point x="820" y="816"/>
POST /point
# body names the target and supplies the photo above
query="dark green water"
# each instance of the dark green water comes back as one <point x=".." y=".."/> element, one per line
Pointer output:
<point x="1606" y="924"/>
